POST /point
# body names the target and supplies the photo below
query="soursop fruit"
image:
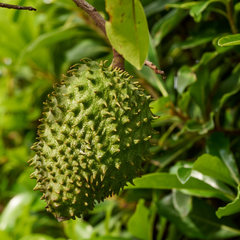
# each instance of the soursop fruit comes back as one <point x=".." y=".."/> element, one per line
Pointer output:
<point x="93" y="137"/>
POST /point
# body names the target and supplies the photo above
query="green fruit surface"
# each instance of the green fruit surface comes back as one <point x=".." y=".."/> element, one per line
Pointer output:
<point x="93" y="137"/>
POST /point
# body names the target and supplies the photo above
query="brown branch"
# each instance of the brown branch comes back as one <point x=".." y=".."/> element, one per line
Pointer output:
<point x="5" y="5"/>
<point x="154" y="67"/>
<point x="93" y="13"/>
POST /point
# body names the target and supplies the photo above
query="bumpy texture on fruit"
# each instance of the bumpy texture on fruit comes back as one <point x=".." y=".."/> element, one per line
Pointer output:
<point x="93" y="138"/>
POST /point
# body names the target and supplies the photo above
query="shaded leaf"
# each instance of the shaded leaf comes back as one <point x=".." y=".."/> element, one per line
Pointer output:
<point x="201" y="128"/>
<point x="196" y="10"/>
<point x="201" y="222"/>
<point x="157" y="6"/>
<point x="166" y="24"/>
<point x="218" y="145"/>
<point x="86" y="48"/>
<point x="185" y="78"/>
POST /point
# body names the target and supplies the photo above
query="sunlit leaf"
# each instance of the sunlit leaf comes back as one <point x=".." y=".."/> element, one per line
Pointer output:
<point x="138" y="224"/>
<point x="127" y="30"/>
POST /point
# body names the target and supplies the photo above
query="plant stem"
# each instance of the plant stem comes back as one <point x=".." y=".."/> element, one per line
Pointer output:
<point x="229" y="8"/>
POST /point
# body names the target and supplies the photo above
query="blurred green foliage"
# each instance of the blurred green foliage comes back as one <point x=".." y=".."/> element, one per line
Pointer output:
<point x="192" y="178"/>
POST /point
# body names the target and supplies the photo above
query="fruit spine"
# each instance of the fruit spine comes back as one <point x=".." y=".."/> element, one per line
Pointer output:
<point x="93" y="137"/>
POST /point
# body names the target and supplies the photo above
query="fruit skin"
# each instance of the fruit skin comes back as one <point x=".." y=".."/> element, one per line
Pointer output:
<point x="93" y="137"/>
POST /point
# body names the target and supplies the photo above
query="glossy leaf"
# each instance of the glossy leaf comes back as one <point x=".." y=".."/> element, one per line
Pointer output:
<point x="230" y="40"/>
<point x="182" y="202"/>
<point x="184" y="174"/>
<point x="213" y="167"/>
<point x="138" y="224"/>
<point x="201" y="222"/>
<point x="218" y="145"/>
<point x="170" y="181"/>
<point x="14" y="209"/>
<point x="231" y="208"/>
<point x="132" y="40"/>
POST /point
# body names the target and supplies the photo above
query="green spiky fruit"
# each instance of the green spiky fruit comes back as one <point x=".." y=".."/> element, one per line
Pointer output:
<point x="93" y="137"/>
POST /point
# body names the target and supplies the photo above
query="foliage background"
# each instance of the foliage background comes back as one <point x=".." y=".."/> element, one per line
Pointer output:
<point x="194" y="170"/>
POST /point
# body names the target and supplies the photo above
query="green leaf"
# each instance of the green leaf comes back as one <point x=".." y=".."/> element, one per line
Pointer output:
<point x="50" y="38"/>
<point x="185" y="78"/>
<point x="138" y="224"/>
<point x="184" y="101"/>
<point x="227" y="88"/>
<point x="160" y="104"/>
<point x="37" y="236"/>
<point x="205" y="59"/>
<point x="166" y="24"/>
<point x="201" y="128"/>
<point x="196" y="10"/>
<point x="230" y="40"/>
<point x="194" y="41"/>
<point x="127" y="30"/>
<point x="218" y="145"/>
<point x="185" y="5"/>
<point x="198" y="89"/>
<point x="218" y="48"/>
<point x="157" y="6"/>
<point x="86" y="48"/>
<point x="200" y="223"/>
<point x="213" y="167"/>
<point x="4" y="235"/>
<point x="231" y="208"/>
<point x="182" y="202"/>
<point x="184" y="174"/>
<point x="14" y="209"/>
<point x="78" y="229"/>
<point x="151" y="77"/>
<point x="110" y="238"/>
<point x="170" y="181"/>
